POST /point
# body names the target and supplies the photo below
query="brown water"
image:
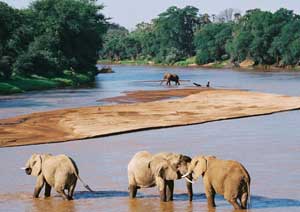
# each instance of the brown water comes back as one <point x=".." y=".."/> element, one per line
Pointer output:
<point x="268" y="146"/>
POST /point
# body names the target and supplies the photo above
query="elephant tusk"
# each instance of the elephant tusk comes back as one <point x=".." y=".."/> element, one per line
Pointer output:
<point x="185" y="175"/>
<point x="23" y="168"/>
<point x="190" y="181"/>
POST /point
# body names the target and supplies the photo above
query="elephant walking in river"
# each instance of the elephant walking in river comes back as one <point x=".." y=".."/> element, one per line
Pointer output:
<point x="146" y="170"/>
<point x="170" y="77"/>
<point x="225" y="177"/>
<point x="59" y="172"/>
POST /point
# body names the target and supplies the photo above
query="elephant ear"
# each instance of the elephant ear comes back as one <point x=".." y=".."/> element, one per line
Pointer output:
<point x="185" y="159"/>
<point x="36" y="166"/>
<point x="202" y="163"/>
<point x="159" y="170"/>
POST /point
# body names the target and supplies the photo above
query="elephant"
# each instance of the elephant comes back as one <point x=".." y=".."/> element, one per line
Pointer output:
<point x="181" y="162"/>
<point x="59" y="172"/>
<point x="146" y="170"/>
<point x="170" y="77"/>
<point x="225" y="177"/>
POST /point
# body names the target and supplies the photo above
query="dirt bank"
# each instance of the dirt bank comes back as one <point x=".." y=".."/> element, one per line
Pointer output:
<point x="203" y="105"/>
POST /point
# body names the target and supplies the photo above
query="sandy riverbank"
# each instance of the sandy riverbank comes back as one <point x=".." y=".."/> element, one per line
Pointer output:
<point x="199" y="106"/>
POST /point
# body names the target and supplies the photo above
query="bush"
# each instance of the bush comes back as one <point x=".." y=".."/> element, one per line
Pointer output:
<point x="5" y="67"/>
<point x="202" y="57"/>
<point x="38" y="62"/>
<point x="6" y="88"/>
<point x="173" y="55"/>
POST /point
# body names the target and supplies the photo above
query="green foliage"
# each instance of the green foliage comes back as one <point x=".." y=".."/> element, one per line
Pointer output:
<point x="5" y="67"/>
<point x="174" y="32"/>
<point x="49" y="37"/>
<point x="167" y="39"/>
<point x="6" y="88"/>
<point x="259" y="36"/>
<point x="28" y="84"/>
<point x="203" y="57"/>
<point x="188" y="61"/>
<point x="210" y="42"/>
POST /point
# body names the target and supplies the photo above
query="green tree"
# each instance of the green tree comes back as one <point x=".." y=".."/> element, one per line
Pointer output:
<point x="113" y="47"/>
<point x="73" y="30"/>
<point x="10" y="20"/>
<point x="174" y="30"/>
<point x="210" y="42"/>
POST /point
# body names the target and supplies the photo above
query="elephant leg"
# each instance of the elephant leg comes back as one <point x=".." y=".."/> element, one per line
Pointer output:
<point x="189" y="187"/>
<point x="61" y="191"/>
<point x="47" y="190"/>
<point x="71" y="191"/>
<point x="170" y="190"/>
<point x="132" y="191"/>
<point x="233" y="202"/>
<point x="210" y="195"/>
<point x="244" y="200"/>
<point x="162" y="193"/>
<point x="38" y="186"/>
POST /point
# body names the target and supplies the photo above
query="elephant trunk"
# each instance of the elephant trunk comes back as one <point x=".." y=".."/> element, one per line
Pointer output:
<point x="189" y="187"/>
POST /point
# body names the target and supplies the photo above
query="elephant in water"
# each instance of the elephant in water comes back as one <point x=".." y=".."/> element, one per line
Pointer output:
<point x="170" y="77"/>
<point x="59" y="172"/>
<point x="225" y="177"/>
<point x="146" y="170"/>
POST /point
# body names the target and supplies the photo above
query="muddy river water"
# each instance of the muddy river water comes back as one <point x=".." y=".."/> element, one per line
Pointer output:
<point x="268" y="146"/>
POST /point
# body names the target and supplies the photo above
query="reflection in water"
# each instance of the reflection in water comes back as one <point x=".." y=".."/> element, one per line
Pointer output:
<point x="51" y="205"/>
<point x="118" y="200"/>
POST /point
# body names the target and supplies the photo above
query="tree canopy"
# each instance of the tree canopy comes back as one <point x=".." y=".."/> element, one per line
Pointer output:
<point x="179" y="33"/>
<point x="50" y="36"/>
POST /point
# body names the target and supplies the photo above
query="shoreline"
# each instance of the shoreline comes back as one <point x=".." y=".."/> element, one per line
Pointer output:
<point x="195" y="106"/>
<point x="259" y="68"/>
<point x="25" y="84"/>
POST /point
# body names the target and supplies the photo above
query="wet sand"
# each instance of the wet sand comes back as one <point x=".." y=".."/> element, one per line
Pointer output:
<point x="203" y="105"/>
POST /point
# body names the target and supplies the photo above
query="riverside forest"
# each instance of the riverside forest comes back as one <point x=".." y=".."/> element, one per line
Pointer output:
<point x="56" y="43"/>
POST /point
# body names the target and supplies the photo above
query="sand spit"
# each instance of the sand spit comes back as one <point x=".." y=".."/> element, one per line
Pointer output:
<point x="202" y="105"/>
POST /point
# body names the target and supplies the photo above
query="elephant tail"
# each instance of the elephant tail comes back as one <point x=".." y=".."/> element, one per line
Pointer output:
<point x="83" y="183"/>
<point x="77" y="175"/>
<point x="249" y="194"/>
<point x="247" y="179"/>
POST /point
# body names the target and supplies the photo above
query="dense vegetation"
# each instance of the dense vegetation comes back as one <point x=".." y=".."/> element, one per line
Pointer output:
<point x="52" y="43"/>
<point x="56" y="43"/>
<point x="182" y="35"/>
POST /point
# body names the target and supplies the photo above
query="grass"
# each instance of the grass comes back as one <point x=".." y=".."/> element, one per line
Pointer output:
<point x="20" y="84"/>
<point x="134" y="62"/>
<point x="6" y="88"/>
<point x="188" y="61"/>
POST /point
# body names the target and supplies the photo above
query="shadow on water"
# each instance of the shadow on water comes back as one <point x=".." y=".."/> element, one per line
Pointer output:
<point x="99" y="194"/>
<point x="257" y="202"/>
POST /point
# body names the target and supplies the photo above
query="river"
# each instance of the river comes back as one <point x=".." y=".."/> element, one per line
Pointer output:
<point x="268" y="146"/>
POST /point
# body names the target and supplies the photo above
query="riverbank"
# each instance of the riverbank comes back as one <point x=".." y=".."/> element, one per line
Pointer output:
<point x="205" y="105"/>
<point x="190" y="63"/>
<point x="22" y="84"/>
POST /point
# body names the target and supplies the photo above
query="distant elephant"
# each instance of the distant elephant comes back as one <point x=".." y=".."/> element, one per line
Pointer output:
<point x="225" y="177"/>
<point x="146" y="170"/>
<point x="59" y="172"/>
<point x="170" y="77"/>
